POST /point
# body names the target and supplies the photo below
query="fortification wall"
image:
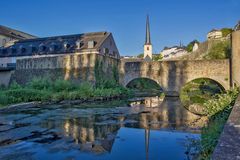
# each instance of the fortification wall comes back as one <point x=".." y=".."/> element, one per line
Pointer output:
<point x="77" y="68"/>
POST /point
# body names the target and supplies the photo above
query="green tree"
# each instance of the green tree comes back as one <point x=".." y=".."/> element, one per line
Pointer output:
<point x="226" y="31"/>
<point x="140" y="55"/>
<point x="190" y="45"/>
<point x="157" y="57"/>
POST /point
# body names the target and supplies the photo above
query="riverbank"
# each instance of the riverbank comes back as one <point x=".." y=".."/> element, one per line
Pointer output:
<point x="60" y="91"/>
<point x="218" y="111"/>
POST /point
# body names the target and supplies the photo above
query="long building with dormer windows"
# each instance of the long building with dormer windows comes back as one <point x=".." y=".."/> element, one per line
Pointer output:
<point x="87" y="43"/>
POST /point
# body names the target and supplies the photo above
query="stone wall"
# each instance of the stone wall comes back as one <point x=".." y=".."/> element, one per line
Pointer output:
<point x="77" y="68"/>
<point x="5" y="77"/>
<point x="173" y="75"/>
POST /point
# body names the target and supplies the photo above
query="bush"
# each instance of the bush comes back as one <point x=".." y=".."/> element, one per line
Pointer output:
<point x="15" y="85"/>
<point x="40" y="84"/>
<point x="220" y="50"/>
<point x="4" y="99"/>
<point x="218" y="111"/>
<point x="62" y="85"/>
<point x="26" y="95"/>
<point x="45" y="90"/>
<point x="140" y="55"/>
<point x="226" y="31"/>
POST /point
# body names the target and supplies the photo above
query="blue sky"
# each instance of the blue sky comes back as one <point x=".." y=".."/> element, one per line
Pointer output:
<point x="171" y="21"/>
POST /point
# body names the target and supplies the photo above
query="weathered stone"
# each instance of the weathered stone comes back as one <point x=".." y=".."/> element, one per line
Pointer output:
<point x="173" y="75"/>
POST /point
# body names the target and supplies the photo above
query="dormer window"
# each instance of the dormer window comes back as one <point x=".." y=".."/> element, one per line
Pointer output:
<point x="91" y="44"/>
<point x="66" y="45"/>
<point x="79" y="44"/>
<point x="53" y="47"/>
<point x="4" y="51"/>
<point x="33" y="48"/>
<point x="23" y="49"/>
<point x="13" y="50"/>
<point x="42" y="48"/>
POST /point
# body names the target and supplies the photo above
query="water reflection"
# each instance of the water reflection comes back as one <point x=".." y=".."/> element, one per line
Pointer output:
<point x="105" y="131"/>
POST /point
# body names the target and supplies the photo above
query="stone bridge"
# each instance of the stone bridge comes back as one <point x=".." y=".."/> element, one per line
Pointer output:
<point x="173" y="75"/>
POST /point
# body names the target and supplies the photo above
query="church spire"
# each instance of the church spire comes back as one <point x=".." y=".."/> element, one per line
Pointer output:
<point x="148" y="39"/>
<point x="147" y="46"/>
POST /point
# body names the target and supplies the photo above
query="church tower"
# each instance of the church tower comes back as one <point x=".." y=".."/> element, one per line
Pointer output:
<point x="147" y="46"/>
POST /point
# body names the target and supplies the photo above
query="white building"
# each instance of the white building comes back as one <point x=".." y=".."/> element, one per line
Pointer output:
<point x="173" y="52"/>
<point x="214" y="34"/>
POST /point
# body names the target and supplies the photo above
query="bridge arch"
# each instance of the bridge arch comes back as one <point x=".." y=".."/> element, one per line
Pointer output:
<point x="153" y="81"/>
<point x="223" y="85"/>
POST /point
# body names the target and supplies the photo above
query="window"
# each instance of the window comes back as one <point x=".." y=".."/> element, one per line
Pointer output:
<point x="42" y="48"/>
<point x="4" y="41"/>
<point x="53" y="47"/>
<point x="79" y="44"/>
<point x="147" y="48"/>
<point x="105" y="50"/>
<point x="66" y="45"/>
<point x="23" y="50"/>
<point x="13" y="50"/>
<point x="91" y="44"/>
<point x="34" y="49"/>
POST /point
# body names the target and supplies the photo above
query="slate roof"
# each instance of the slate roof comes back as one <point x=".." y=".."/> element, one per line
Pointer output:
<point x="14" y="33"/>
<point x="55" y="45"/>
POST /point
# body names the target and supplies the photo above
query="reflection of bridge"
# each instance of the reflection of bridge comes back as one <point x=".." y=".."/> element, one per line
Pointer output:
<point x="97" y="133"/>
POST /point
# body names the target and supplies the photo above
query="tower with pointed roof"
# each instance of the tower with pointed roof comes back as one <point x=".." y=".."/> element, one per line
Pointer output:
<point x="147" y="46"/>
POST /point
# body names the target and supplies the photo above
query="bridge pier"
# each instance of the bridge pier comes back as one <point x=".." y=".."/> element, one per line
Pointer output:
<point x="235" y="63"/>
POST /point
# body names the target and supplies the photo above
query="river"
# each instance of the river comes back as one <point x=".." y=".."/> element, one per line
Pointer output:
<point x="141" y="128"/>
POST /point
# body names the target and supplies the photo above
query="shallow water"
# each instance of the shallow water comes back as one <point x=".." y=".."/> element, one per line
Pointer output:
<point x="149" y="128"/>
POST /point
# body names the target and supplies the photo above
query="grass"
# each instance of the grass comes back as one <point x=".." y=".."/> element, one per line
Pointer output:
<point x="218" y="111"/>
<point x="46" y="90"/>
